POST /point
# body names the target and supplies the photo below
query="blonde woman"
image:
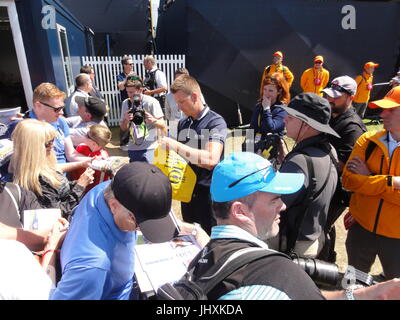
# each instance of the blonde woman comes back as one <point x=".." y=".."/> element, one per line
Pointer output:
<point x="35" y="168"/>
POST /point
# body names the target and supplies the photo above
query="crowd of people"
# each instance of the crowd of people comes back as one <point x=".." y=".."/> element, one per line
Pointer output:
<point x="287" y="202"/>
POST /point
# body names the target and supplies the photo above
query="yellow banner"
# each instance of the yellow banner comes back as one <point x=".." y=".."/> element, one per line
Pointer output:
<point x="179" y="173"/>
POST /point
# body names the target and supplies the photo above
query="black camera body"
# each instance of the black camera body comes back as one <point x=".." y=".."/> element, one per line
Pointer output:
<point x="137" y="110"/>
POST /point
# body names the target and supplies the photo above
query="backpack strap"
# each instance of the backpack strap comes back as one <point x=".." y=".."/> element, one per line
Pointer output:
<point x="229" y="264"/>
<point x="14" y="191"/>
<point x="370" y="148"/>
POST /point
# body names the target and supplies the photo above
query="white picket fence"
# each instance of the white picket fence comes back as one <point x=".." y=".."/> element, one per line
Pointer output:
<point x="107" y="68"/>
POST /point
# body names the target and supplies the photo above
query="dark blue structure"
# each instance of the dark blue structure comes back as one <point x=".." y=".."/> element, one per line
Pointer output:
<point x="121" y="26"/>
<point x="51" y="43"/>
<point x="227" y="43"/>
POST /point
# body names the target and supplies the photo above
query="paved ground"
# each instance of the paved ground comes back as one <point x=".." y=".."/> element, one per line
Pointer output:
<point x="234" y="143"/>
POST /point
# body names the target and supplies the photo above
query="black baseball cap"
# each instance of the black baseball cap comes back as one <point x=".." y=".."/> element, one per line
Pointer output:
<point x="95" y="106"/>
<point x="145" y="191"/>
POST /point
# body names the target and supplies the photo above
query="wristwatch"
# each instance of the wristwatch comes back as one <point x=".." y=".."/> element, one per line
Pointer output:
<point x="350" y="293"/>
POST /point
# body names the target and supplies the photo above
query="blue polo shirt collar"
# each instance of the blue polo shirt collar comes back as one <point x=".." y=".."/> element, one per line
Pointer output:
<point x="202" y="114"/>
<point x="33" y="115"/>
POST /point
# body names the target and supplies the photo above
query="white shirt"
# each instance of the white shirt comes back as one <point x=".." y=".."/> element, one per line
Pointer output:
<point x="172" y="112"/>
<point x="21" y="276"/>
<point x="71" y="107"/>
<point x="160" y="79"/>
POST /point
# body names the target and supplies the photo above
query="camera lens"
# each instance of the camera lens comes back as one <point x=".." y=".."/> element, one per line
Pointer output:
<point x="138" y="117"/>
<point x="321" y="272"/>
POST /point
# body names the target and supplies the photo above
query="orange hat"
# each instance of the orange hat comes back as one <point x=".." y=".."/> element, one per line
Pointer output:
<point x="319" y="58"/>
<point x="371" y="64"/>
<point x="278" y="54"/>
<point x="391" y="100"/>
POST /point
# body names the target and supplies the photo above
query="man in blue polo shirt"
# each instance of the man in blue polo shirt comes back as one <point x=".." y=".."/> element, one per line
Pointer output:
<point x="201" y="138"/>
<point x="126" y="74"/>
<point x="48" y="105"/>
<point x="97" y="256"/>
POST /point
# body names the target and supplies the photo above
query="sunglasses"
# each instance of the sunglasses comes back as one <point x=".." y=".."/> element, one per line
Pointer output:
<point x="133" y="78"/>
<point x="234" y="183"/>
<point x="49" y="143"/>
<point x="128" y="64"/>
<point x="339" y="88"/>
<point x="50" y="106"/>
<point x="317" y="62"/>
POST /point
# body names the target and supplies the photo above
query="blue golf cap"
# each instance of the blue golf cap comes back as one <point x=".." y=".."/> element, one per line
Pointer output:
<point x="243" y="173"/>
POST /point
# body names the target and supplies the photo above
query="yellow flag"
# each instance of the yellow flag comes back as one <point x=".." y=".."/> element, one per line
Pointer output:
<point x="179" y="173"/>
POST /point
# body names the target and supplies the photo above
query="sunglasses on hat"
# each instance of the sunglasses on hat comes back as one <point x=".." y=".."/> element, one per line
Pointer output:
<point x="339" y="88"/>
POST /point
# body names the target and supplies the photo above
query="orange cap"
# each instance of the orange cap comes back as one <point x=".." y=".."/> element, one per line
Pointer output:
<point x="371" y="64"/>
<point x="278" y="54"/>
<point x="391" y="100"/>
<point x="319" y="58"/>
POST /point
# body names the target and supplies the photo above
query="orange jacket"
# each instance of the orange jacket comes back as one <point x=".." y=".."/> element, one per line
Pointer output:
<point x="311" y="76"/>
<point x="374" y="204"/>
<point x="287" y="74"/>
<point x="364" y="87"/>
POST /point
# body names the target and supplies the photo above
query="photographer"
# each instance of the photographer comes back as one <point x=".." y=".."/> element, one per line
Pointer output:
<point x="142" y="117"/>
<point x="247" y="202"/>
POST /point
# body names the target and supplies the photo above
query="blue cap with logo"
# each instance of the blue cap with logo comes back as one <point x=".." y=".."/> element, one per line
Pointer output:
<point x="243" y="173"/>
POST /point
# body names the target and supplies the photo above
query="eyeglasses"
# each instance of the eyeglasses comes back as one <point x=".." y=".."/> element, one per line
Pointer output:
<point x="234" y="183"/>
<point x="49" y="143"/>
<point x="50" y="106"/>
<point x="317" y="62"/>
<point x="339" y="88"/>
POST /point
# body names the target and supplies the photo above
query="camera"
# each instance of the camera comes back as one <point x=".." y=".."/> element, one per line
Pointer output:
<point x="137" y="110"/>
<point x="327" y="274"/>
<point x="268" y="146"/>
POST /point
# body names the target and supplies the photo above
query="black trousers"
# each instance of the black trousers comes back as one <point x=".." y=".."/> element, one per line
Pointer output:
<point x="199" y="209"/>
<point x="363" y="246"/>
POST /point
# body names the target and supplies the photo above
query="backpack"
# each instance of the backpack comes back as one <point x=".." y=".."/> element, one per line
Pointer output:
<point x="292" y="233"/>
<point x="188" y="288"/>
<point x="150" y="80"/>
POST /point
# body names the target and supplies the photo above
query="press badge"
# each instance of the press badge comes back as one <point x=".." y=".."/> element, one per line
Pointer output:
<point x="257" y="138"/>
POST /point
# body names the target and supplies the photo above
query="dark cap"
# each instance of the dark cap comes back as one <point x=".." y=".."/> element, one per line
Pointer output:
<point x="313" y="110"/>
<point x="95" y="106"/>
<point x="145" y="191"/>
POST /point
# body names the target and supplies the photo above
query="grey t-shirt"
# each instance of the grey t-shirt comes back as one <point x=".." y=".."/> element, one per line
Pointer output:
<point x="144" y="136"/>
